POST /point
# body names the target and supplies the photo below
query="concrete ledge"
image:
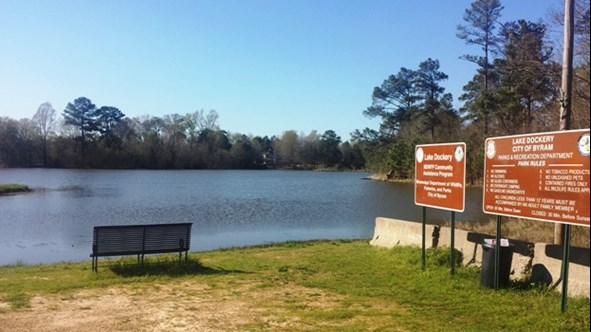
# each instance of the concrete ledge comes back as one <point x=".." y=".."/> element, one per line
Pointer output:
<point x="471" y="250"/>
<point x="470" y="244"/>
<point x="547" y="264"/>
<point x="530" y="263"/>
<point x="392" y="232"/>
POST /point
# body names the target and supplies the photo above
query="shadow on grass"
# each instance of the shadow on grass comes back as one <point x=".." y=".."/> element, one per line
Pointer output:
<point x="528" y="286"/>
<point x="163" y="267"/>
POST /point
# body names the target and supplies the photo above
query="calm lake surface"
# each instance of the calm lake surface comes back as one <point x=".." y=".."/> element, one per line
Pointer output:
<point x="227" y="208"/>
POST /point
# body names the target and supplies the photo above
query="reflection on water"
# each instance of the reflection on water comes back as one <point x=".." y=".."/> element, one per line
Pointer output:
<point x="227" y="208"/>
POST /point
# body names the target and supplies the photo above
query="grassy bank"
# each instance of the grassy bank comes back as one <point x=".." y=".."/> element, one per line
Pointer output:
<point x="324" y="285"/>
<point x="11" y="188"/>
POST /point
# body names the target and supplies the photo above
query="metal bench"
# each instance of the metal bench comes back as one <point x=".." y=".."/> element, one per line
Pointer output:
<point x="140" y="240"/>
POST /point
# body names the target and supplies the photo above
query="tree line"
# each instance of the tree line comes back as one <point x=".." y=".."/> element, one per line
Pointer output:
<point x="515" y="90"/>
<point x="87" y="136"/>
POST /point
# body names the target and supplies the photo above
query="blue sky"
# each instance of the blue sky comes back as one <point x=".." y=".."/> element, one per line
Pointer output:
<point x="265" y="66"/>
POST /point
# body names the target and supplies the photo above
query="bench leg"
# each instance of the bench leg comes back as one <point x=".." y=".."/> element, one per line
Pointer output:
<point x="140" y="257"/>
<point x="181" y="255"/>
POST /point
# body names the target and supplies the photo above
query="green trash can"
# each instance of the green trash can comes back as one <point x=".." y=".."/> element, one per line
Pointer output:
<point x="487" y="271"/>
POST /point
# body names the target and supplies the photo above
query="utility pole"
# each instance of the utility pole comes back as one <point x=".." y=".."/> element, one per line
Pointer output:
<point x="566" y="89"/>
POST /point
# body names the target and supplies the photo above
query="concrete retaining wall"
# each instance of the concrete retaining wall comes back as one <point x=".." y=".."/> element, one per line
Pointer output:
<point x="538" y="262"/>
<point x="393" y="232"/>
<point x="547" y="264"/>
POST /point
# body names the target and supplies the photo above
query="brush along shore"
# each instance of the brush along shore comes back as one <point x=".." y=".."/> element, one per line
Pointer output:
<point x="12" y="188"/>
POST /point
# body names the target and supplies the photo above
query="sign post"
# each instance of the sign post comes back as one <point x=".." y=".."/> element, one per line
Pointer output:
<point x="424" y="226"/>
<point x="440" y="176"/>
<point x="542" y="176"/>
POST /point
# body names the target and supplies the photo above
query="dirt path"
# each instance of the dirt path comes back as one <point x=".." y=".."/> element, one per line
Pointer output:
<point x="183" y="306"/>
<point x="161" y="307"/>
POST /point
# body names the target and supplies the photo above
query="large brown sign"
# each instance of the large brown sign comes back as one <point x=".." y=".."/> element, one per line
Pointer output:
<point x="440" y="175"/>
<point x="542" y="176"/>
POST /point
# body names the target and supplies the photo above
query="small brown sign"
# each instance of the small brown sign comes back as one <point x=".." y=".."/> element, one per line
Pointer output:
<point x="440" y="176"/>
<point x="543" y="176"/>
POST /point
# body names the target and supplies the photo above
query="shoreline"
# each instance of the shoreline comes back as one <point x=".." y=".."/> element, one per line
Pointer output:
<point x="384" y="178"/>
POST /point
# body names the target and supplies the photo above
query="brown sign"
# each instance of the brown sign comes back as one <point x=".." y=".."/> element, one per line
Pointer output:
<point x="440" y="176"/>
<point x="542" y="176"/>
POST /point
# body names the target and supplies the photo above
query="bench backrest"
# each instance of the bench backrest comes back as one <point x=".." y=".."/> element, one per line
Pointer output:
<point x="141" y="239"/>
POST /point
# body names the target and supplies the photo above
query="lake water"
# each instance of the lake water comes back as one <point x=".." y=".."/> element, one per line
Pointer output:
<point x="227" y="208"/>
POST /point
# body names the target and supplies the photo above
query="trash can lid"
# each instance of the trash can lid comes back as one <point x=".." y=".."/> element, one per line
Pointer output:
<point x="492" y="242"/>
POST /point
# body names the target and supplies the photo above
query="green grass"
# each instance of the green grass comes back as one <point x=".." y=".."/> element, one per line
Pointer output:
<point x="13" y="188"/>
<point x="328" y="285"/>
